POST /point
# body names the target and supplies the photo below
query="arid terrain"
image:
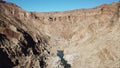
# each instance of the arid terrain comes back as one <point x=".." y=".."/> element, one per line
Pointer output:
<point x="84" y="38"/>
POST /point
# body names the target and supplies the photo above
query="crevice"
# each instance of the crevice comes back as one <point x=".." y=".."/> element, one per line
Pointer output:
<point x="24" y="48"/>
<point x="42" y="63"/>
<point x="30" y="43"/>
<point x="27" y="43"/>
<point x="5" y="62"/>
<point x="2" y="39"/>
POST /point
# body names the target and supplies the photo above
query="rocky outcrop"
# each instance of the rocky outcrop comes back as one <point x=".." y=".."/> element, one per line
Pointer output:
<point x="88" y="38"/>
<point x="19" y="45"/>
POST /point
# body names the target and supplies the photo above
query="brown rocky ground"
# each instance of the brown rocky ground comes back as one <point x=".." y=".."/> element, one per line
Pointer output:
<point x="86" y="38"/>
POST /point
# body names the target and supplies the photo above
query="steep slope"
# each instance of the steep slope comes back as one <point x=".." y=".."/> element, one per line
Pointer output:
<point x="21" y="44"/>
<point x="86" y="38"/>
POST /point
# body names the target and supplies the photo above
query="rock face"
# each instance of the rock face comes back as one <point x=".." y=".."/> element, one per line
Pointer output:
<point x="87" y="38"/>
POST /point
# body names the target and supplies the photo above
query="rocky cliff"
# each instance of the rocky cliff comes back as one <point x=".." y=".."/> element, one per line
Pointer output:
<point x="85" y="38"/>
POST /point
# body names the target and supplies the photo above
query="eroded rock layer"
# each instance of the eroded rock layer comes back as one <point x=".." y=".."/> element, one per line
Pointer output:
<point x="86" y="38"/>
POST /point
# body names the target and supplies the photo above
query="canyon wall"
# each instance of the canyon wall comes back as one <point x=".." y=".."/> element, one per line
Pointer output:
<point x="85" y="38"/>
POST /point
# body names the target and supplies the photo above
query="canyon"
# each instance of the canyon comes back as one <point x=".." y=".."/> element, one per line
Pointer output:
<point x="83" y="38"/>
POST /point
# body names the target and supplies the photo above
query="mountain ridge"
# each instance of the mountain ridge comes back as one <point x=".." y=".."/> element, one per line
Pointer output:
<point x="88" y="38"/>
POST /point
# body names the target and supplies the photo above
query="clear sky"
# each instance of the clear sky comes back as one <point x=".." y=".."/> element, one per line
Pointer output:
<point x="58" y="5"/>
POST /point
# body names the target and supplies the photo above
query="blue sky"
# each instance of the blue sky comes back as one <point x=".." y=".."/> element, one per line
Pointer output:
<point x="58" y="5"/>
